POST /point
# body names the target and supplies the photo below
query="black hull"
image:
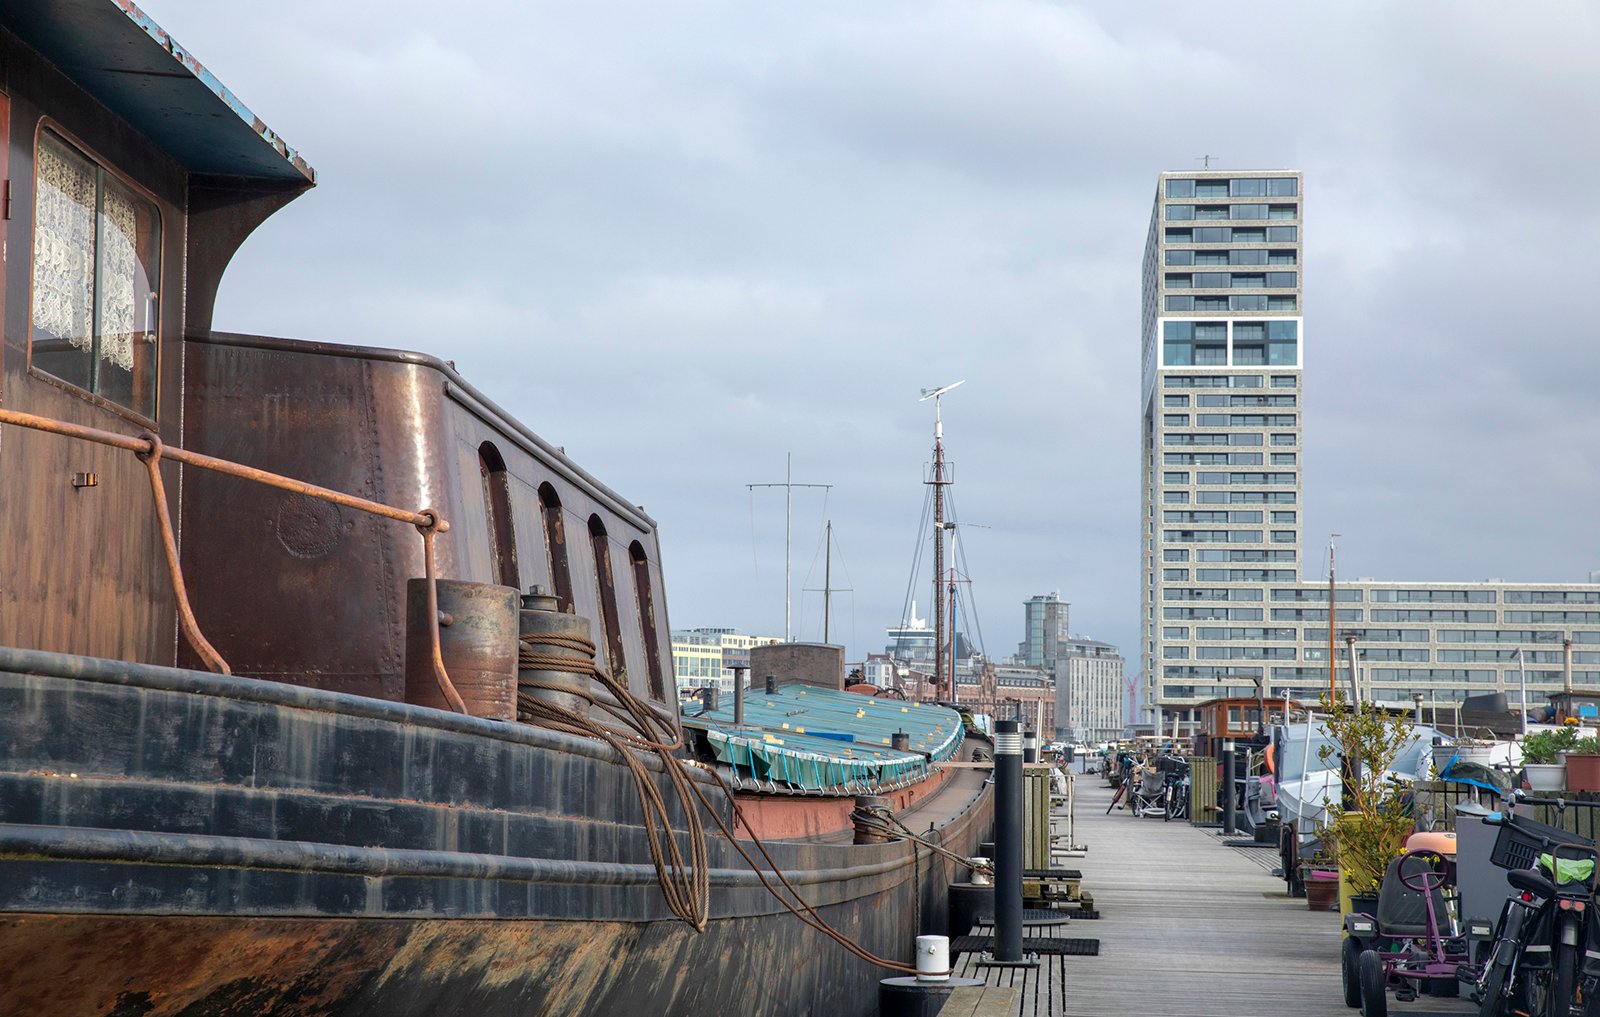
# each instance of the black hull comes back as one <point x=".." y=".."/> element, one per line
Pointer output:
<point x="174" y="842"/>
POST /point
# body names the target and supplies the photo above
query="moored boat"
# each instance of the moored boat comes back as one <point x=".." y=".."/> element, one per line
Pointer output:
<point x="267" y="745"/>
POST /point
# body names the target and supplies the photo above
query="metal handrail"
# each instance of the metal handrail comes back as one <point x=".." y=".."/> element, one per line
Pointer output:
<point x="150" y="450"/>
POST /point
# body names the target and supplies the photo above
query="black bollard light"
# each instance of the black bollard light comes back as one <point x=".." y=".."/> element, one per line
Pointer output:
<point x="1227" y="787"/>
<point x="1030" y="747"/>
<point x="1007" y="841"/>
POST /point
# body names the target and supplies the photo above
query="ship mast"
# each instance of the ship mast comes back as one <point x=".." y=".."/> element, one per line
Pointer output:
<point x="939" y="482"/>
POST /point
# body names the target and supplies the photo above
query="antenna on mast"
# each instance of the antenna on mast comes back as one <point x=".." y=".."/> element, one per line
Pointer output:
<point x="939" y="482"/>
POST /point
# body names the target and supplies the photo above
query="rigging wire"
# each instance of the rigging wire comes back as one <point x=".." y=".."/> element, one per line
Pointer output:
<point x="972" y="599"/>
<point x="916" y="558"/>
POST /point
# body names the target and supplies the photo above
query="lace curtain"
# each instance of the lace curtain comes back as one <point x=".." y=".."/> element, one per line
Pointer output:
<point x="63" y="246"/>
<point x="119" y="271"/>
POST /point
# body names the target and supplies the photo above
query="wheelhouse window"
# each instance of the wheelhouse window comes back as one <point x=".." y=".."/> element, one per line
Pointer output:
<point x="96" y="278"/>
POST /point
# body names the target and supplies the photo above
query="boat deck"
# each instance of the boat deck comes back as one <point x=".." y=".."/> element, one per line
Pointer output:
<point x="1188" y="927"/>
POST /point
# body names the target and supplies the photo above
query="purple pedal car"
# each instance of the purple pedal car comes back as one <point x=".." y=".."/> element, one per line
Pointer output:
<point x="1413" y="943"/>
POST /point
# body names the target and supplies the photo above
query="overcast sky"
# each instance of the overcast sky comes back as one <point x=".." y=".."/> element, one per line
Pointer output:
<point x="683" y="239"/>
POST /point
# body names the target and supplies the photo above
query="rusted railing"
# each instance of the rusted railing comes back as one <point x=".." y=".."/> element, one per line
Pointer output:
<point x="150" y="450"/>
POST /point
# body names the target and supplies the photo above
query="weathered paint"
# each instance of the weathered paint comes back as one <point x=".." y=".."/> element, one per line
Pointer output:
<point x="178" y="842"/>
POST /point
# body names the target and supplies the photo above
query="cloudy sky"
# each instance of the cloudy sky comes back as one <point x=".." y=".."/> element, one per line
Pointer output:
<point x="684" y="238"/>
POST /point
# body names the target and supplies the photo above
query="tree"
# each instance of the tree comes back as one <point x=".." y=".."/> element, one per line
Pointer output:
<point x="1371" y="831"/>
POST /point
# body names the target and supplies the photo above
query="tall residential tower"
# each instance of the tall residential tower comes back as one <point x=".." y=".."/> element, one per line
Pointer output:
<point x="1222" y="358"/>
<point x="1230" y="604"/>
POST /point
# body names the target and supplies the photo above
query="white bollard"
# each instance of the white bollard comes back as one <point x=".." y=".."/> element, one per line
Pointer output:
<point x="933" y="958"/>
<point x="980" y="877"/>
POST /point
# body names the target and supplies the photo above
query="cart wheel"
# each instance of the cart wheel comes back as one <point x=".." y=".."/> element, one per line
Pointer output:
<point x="1349" y="962"/>
<point x="1374" y="990"/>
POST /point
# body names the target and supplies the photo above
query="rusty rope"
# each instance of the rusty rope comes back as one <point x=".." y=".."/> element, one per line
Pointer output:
<point x="685" y="883"/>
<point x="892" y="826"/>
<point x="150" y="450"/>
<point x="645" y="736"/>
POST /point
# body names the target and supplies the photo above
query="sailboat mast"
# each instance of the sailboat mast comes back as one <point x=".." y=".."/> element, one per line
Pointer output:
<point x="938" y="481"/>
<point x="952" y="619"/>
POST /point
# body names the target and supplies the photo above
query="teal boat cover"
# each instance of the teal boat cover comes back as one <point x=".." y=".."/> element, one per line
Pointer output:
<point x="818" y="739"/>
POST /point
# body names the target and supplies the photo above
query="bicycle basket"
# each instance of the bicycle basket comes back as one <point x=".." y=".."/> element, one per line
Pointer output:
<point x="1522" y="840"/>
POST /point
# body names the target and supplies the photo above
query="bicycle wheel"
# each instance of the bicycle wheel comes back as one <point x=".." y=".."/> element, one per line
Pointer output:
<point x="1492" y="994"/>
<point x="1563" y="980"/>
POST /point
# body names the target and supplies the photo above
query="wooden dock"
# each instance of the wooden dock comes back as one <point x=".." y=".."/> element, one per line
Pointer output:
<point x="1189" y="927"/>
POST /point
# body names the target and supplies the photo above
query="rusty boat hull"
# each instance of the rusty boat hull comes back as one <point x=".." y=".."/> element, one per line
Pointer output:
<point x="177" y="842"/>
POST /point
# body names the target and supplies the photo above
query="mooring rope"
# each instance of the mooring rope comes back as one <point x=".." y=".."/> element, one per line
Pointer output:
<point x="686" y="888"/>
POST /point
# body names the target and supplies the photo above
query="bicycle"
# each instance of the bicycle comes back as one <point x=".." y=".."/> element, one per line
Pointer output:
<point x="1536" y="959"/>
<point x="1177" y="790"/>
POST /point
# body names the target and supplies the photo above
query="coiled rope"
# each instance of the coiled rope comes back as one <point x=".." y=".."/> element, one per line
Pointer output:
<point x="685" y="887"/>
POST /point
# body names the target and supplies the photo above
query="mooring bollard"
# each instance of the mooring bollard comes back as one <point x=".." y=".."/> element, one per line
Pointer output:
<point x="872" y="819"/>
<point x="1228" y="827"/>
<point x="933" y="958"/>
<point x="1007" y="841"/>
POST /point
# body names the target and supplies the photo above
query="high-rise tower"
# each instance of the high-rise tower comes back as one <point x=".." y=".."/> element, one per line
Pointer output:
<point x="1223" y="348"/>
<point x="1230" y="605"/>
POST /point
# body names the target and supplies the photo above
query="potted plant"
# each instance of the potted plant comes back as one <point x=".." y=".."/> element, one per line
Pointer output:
<point x="1371" y="830"/>
<point x="1542" y="765"/>
<point x="1583" y="764"/>
<point x="1320" y="874"/>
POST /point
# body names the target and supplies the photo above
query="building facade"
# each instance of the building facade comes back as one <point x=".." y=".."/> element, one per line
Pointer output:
<point x="1044" y="624"/>
<point x="1090" y="682"/>
<point x="1225" y="603"/>
<point x="705" y="657"/>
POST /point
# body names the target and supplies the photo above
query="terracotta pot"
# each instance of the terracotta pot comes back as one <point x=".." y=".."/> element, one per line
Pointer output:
<point x="1321" y="894"/>
<point x="1583" y="772"/>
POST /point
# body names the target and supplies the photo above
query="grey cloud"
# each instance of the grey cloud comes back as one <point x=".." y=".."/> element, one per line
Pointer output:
<point x="762" y="228"/>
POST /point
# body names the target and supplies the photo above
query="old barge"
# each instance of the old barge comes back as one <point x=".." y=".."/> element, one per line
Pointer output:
<point x="259" y="750"/>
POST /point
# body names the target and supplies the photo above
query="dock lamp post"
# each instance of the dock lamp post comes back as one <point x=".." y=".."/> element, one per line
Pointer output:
<point x="1008" y="841"/>
<point x="1228" y="827"/>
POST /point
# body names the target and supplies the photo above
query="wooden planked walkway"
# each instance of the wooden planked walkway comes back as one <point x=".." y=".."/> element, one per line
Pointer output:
<point x="1188" y="928"/>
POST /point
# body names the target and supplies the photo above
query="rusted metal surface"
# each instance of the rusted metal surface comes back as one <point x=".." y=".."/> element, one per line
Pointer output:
<point x="180" y="920"/>
<point x="476" y="628"/>
<point x="382" y="424"/>
<point x="149" y="449"/>
<point x="538" y="619"/>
